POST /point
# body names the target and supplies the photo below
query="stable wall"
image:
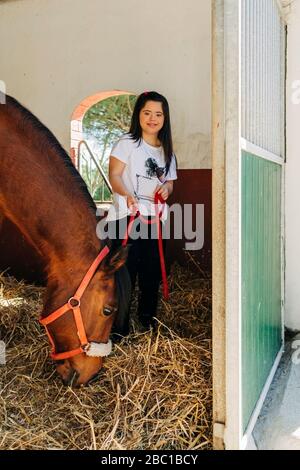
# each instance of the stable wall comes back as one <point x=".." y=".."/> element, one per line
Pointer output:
<point x="56" y="53"/>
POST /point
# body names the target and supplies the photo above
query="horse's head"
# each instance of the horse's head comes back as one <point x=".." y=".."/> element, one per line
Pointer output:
<point x="99" y="306"/>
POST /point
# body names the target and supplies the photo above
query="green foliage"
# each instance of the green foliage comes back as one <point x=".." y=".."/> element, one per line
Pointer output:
<point x="103" y="124"/>
<point x="108" y="119"/>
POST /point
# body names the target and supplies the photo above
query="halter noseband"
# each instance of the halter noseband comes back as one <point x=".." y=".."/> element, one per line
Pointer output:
<point x="89" y="348"/>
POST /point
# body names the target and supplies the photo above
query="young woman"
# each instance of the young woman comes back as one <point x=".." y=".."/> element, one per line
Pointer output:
<point x="142" y="163"/>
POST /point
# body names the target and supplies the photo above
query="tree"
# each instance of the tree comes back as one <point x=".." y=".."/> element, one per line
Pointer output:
<point x="103" y="124"/>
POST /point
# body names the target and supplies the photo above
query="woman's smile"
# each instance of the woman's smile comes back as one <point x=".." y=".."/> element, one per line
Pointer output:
<point x="151" y="117"/>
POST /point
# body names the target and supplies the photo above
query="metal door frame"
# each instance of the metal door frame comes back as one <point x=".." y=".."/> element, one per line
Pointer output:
<point x="227" y="145"/>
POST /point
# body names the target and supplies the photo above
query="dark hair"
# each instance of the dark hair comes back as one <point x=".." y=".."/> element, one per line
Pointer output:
<point x="164" y="135"/>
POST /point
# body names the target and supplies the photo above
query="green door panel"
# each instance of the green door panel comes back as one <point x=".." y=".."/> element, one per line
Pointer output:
<point x="261" y="275"/>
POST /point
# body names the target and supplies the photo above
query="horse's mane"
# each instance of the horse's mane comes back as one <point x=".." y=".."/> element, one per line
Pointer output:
<point x="47" y="141"/>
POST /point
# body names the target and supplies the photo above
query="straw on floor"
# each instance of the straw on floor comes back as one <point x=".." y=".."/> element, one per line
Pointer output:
<point x="154" y="391"/>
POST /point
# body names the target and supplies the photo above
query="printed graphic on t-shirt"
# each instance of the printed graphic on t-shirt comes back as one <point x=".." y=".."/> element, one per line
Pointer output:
<point x="154" y="169"/>
<point x="146" y="185"/>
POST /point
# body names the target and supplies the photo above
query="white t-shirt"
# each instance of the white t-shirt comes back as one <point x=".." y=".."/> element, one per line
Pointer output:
<point x="144" y="171"/>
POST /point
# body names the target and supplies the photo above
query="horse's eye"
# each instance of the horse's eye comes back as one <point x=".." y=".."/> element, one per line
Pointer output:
<point x="107" y="311"/>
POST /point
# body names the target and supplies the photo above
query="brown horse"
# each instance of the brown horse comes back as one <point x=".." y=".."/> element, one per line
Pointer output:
<point x="44" y="196"/>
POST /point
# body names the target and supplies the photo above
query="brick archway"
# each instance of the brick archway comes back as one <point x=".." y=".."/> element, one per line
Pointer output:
<point x="78" y="115"/>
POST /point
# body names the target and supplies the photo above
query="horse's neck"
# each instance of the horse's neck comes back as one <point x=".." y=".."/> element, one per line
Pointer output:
<point x="40" y="195"/>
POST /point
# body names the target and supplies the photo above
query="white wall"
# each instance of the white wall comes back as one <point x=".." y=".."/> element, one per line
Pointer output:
<point x="55" y="53"/>
<point x="292" y="319"/>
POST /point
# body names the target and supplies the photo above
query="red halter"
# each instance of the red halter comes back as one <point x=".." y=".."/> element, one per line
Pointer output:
<point x="84" y="344"/>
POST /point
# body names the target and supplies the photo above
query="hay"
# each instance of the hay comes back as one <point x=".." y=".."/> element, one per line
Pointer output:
<point x="154" y="391"/>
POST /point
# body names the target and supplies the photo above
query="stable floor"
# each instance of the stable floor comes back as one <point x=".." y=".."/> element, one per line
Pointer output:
<point x="278" y="425"/>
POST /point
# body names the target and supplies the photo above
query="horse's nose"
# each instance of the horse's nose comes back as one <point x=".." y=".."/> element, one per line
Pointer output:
<point x="71" y="379"/>
<point x="78" y="371"/>
<point x="94" y="377"/>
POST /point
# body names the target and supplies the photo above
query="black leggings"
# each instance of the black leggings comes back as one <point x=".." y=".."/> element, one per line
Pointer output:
<point x="143" y="263"/>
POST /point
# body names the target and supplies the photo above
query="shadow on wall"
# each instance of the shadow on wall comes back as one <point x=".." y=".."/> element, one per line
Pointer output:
<point x="17" y="256"/>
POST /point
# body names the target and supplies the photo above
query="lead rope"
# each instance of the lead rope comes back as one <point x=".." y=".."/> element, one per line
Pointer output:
<point x="157" y="200"/>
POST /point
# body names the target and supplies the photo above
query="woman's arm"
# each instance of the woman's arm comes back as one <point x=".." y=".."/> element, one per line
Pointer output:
<point x="116" y="168"/>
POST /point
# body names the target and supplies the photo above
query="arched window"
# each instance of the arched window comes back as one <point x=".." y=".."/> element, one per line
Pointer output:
<point x="97" y="122"/>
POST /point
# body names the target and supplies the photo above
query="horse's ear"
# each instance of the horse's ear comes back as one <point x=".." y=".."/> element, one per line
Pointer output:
<point x="114" y="260"/>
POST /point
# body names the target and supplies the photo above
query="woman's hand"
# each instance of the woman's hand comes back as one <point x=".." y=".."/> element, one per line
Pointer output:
<point x="132" y="204"/>
<point x="164" y="190"/>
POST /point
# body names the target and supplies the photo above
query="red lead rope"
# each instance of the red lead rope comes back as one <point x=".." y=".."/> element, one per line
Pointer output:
<point x="157" y="199"/>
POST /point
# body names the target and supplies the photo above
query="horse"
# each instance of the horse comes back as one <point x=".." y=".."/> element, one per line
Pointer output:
<point x="87" y="285"/>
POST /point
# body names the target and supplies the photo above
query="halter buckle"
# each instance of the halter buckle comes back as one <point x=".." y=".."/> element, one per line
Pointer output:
<point x="75" y="300"/>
